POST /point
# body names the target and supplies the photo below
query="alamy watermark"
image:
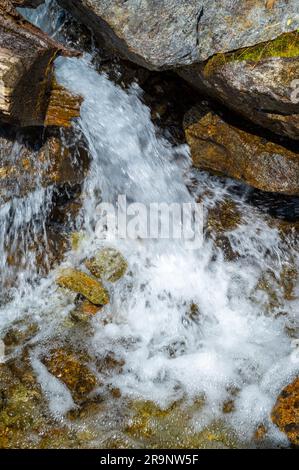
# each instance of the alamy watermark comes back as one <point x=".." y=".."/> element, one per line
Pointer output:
<point x="168" y="221"/>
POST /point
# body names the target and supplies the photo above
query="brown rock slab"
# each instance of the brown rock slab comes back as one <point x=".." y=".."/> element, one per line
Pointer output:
<point x="256" y="82"/>
<point x="225" y="149"/>
<point x="62" y="107"/>
<point x="26" y="69"/>
<point x="23" y="168"/>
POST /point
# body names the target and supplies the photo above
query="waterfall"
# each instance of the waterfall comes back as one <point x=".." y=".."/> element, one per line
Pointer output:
<point x="231" y="343"/>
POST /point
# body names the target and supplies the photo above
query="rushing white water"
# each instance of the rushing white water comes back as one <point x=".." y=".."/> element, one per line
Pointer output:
<point x="232" y="343"/>
<point x="25" y="204"/>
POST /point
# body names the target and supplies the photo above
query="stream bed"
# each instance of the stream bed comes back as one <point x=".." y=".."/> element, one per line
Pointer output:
<point x="195" y="344"/>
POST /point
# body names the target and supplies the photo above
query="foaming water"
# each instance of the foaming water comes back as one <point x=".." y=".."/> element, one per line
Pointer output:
<point x="22" y="230"/>
<point x="25" y="204"/>
<point x="188" y="324"/>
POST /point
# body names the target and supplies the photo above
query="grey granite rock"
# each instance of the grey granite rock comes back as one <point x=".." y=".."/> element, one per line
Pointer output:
<point x="165" y="34"/>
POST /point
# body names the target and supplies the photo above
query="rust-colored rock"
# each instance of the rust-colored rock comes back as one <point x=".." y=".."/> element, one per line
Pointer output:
<point x="285" y="413"/>
<point x="26" y="69"/>
<point x="222" y="148"/>
<point x="72" y="371"/>
<point x="84" y="311"/>
<point x="62" y="107"/>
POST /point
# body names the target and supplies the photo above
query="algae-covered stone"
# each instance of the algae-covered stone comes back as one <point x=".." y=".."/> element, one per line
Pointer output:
<point x="72" y="371"/>
<point x="285" y="414"/>
<point x="222" y="218"/>
<point x="257" y="82"/>
<point x="108" y="264"/>
<point x="22" y="408"/>
<point x="172" y="427"/>
<point x="79" y="282"/>
<point x="161" y="34"/>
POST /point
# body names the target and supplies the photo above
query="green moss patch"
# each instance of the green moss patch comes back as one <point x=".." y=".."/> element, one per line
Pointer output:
<point x="285" y="45"/>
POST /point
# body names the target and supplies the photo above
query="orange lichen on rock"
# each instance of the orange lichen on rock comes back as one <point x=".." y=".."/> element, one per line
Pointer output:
<point x="285" y="413"/>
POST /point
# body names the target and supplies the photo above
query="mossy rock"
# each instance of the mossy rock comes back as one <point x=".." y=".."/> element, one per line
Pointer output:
<point x="224" y="217"/>
<point x="286" y="45"/>
<point x="22" y="408"/>
<point x="289" y="279"/>
<point x="171" y="427"/>
<point x="276" y="287"/>
<point x="285" y="413"/>
<point x="108" y="264"/>
<point x="76" y="239"/>
<point x="81" y="283"/>
<point x="84" y="311"/>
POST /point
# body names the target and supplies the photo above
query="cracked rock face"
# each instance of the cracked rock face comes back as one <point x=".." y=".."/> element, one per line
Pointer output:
<point x="165" y="34"/>
<point x="220" y="147"/>
<point x="260" y="90"/>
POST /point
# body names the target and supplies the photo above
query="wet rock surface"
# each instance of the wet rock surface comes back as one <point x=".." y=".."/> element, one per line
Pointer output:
<point x="28" y="162"/>
<point x="285" y="414"/>
<point x="102" y="416"/>
<point x="107" y="264"/>
<point x="72" y="370"/>
<point x="256" y="82"/>
<point x="81" y="283"/>
<point x="226" y="149"/>
<point x="27" y="56"/>
<point x="172" y="428"/>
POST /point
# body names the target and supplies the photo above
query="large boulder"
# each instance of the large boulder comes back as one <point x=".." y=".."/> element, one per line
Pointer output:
<point x="164" y="34"/>
<point x="26" y="70"/>
<point x="221" y="147"/>
<point x="258" y="82"/>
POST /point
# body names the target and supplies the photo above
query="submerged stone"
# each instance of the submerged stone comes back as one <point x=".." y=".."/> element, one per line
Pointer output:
<point x="108" y="264"/>
<point x="20" y="333"/>
<point x="81" y="283"/>
<point x="23" y="411"/>
<point x="66" y="366"/>
<point x="285" y="413"/>
<point x="172" y="427"/>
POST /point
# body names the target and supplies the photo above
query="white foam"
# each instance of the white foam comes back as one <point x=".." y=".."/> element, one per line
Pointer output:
<point x="234" y="344"/>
